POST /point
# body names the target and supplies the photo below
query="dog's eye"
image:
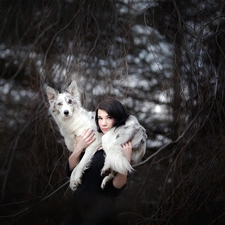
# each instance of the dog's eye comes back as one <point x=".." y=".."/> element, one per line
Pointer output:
<point x="59" y="104"/>
<point x="70" y="101"/>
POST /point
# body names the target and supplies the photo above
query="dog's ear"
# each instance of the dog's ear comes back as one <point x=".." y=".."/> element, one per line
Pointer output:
<point x="51" y="93"/>
<point x="72" y="89"/>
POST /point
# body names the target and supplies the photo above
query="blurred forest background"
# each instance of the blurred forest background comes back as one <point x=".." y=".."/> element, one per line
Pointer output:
<point x="164" y="59"/>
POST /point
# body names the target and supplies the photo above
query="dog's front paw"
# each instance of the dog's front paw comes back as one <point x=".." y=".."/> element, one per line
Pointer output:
<point x="103" y="184"/>
<point x="74" y="183"/>
<point x="106" y="180"/>
<point x="73" y="187"/>
<point x="75" y="180"/>
<point x="105" y="171"/>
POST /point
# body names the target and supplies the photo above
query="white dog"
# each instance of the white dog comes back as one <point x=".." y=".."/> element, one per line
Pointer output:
<point x="72" y="119"/>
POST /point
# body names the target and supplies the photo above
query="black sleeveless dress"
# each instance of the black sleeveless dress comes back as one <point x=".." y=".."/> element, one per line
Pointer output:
<point x="89" y="204"/>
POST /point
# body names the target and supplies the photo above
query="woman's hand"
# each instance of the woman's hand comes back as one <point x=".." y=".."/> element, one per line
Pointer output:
<point x="83" y="141"/>
<point x="127" y="150"/>
<point x="120" y="179"/>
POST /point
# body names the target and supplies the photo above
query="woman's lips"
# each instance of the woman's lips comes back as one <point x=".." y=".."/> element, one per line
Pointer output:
<point x="104" y="129"/>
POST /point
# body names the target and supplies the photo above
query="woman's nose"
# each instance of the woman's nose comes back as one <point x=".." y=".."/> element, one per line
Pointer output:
<point x="104" y="122"/>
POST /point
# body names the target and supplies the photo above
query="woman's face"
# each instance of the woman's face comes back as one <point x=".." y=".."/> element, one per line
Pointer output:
<point x="105" y="122"/>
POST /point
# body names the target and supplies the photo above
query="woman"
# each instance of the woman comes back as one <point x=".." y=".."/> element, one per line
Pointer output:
<point x="90" y="204"/>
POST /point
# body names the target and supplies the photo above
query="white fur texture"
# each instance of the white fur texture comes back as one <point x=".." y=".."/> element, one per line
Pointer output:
<point x="72" y="120"/>
<point x="112" y="141"/>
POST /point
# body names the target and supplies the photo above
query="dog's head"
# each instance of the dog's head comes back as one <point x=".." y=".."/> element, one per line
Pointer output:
<point x="63" y="104"/>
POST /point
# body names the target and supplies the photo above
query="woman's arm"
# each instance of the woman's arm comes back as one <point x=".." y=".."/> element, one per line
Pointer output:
<point x="83" y="141"/>
<point x="120" y="179"/>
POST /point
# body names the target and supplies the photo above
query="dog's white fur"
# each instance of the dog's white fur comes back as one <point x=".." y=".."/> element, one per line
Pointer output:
<point x="112" y="141"/>
<point x="72" y="119"/>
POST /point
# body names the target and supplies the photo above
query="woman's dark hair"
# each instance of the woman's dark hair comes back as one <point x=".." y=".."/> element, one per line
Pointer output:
<point x="115" y="109"/>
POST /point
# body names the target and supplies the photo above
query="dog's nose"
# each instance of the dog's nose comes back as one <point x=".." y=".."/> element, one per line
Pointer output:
<point x="66" y="112"/>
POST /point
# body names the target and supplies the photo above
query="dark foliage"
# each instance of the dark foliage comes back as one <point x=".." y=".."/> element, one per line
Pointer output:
<point x="168" y="54"/>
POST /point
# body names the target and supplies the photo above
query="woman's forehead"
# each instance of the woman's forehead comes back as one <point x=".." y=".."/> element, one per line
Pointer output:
<point x="102" y="113"/>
